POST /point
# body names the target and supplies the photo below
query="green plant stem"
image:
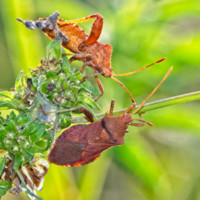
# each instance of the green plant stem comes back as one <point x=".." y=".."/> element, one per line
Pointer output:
<point x="188" y="97"/>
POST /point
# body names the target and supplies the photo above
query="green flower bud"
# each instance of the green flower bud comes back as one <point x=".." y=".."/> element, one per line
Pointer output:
<point x="10" y="135"/>
<point x="15" y="148"/>
<point x="58" y="99"/>
<point x="58" y="84"/>
<point x="61" y="77"/>
<point x="20" y="139"/>
<point x="65" y="85"/>
<point x="7" y="142"/>
<point x="26" y="144"/>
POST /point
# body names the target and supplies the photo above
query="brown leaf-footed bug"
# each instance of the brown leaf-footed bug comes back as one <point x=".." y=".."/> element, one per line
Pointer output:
<point x="85" y="48"/>
<point x="82" y="144"/>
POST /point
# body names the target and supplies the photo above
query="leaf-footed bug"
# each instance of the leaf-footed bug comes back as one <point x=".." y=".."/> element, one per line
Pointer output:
<point x="86" y="48"/>
<point x="82" y="144"/>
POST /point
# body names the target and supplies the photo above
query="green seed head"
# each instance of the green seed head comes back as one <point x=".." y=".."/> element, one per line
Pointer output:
<point x="15" y="148"/>
<point x="26" y="144"/>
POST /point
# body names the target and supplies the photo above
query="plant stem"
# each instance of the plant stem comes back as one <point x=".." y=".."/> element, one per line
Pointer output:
<point x="192" y="96"/>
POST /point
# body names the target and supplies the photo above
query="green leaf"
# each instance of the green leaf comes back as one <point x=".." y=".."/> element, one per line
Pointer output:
<point x="65" y="120"/>
<point x="12" y="116"/>
<point x="34" y="127"/>
<point x="3" y="133"/>
<point x="11" y="126"/>
<point x="6" y="94"/>
<point x="50" y="74"/>
<point x="87" y="86"/>
<point x="2" y="164"/>
<point x="68" y="104"/>
<point x="54" y="50"/>
<point x="43" y="88"/>
<point x="26" y="131"/>
<point x="17" y="161"/>
<point x="43" y="144"/>
<point x="65" y="64"/>
<point x="23" y="118"/>
<point x="61" y="77"/>
<point x="90" y="102"/>
<point x="40" y="146"/>
<point x="18" y="82"/>
<point x="4" y="105"/>
<point x="28" y="154"/>
<point x="40" y="131"/>
<point x="34" y="81"/>
<point x="79" y="76"/>
<point x="37" y="132"/>
<point x="4" y="187"/>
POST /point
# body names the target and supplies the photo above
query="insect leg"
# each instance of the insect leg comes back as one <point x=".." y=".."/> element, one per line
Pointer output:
<point x="83" y="68"/>
<point x="111" y="107"/>
<point x="80" y="57"/>
<point x="131" y="107"/>
<point x="100" y="87"/>
<point x="124" y="88"/>
<point x="87" y="113"/>
<point x="95" y="31"/>
<point x="97" y="80"/>
<point x="88" y="75"/>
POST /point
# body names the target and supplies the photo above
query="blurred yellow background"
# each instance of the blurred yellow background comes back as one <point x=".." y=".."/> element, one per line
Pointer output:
<point x="158" y="163"/>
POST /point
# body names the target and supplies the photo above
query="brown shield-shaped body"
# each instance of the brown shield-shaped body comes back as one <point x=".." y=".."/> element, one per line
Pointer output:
<point x="96" y="55"/>
<point x="82" y="144"/>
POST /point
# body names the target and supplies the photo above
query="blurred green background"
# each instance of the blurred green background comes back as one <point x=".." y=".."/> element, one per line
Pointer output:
<point x="158" y="163"/>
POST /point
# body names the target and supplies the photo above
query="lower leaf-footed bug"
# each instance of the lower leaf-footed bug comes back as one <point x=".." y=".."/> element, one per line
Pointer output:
<point x="82" y="144"/>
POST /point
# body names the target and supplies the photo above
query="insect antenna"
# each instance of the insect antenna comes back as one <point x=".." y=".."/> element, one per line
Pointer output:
<point x="131" y="73"/>
<point x="143" y="122"/>
<point x="154" y="90"/>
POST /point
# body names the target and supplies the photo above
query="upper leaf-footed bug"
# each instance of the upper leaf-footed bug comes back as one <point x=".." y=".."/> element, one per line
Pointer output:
<point x="86" y="48"/>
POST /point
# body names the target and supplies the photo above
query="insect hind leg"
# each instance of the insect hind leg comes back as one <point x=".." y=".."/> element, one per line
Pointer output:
<point x="95" y="31"/>
<point x="132" y="99"/>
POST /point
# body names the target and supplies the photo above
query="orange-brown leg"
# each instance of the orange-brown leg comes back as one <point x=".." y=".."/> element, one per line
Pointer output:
<point x="111" y="107"/>
<point x="87" y="113"/>
<point x="88" y="75"/>
<point x="95" y="31"/>
<point x="97" y="80"/>
<point x="80" y="57"/>
<point x="131" y="107"/>
<point x="124" y="88"/>
<point x="83" y="68"/>
<point x="100" y="88"/>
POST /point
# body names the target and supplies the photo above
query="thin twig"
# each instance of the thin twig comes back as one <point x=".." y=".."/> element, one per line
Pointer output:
<point x="192" y="96"/>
